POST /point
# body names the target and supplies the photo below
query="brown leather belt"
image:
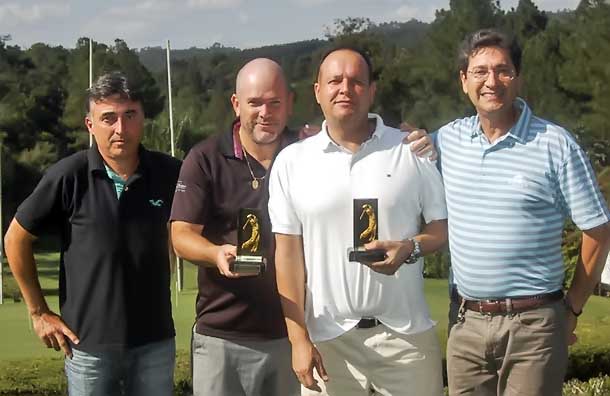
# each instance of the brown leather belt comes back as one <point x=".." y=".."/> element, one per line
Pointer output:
<point x="367" y="323"/>
<point x="511" y="304"/>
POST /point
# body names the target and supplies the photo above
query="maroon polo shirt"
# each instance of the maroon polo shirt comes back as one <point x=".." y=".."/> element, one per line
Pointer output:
<point x="214" y="184"/>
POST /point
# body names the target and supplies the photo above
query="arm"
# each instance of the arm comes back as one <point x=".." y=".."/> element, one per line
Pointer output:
<point x="432" y="238"/>
<point x="290" y="274"/>
<point x="49" y="326"/>
<point x="190" y="245"/>
<point x="593" y="253"/>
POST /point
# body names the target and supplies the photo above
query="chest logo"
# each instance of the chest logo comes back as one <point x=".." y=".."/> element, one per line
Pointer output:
<point x="157" y="202"/>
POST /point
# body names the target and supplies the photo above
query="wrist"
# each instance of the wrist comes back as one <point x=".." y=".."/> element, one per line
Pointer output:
<point x="570" y="308"/>
<point x="415" y="251"/>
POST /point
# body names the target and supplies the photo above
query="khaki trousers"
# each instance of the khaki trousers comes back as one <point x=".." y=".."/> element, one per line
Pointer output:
<point x="379" y="361"/>
<point x="521" y="354"/>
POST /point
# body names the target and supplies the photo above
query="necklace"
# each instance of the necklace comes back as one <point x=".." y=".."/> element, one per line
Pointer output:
<point x="255" y="180"/>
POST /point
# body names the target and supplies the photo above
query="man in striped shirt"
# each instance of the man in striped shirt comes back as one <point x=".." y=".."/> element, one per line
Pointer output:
<point x="511" y="180"/>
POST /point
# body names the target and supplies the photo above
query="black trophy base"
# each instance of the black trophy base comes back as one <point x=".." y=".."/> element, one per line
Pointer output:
<point x="248" y="265"/>
<point x="367" y="256"/>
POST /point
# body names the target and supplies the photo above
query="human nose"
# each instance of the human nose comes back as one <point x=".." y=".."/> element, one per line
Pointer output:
<point x="492" y="78"/>
<point x="119" y="125"/>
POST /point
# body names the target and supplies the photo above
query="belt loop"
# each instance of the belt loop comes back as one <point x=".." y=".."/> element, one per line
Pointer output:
<point x="509" y="306"/>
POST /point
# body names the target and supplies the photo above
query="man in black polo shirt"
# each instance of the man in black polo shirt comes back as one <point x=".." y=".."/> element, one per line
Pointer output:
<point x="110" y="204"/>
<point x="239" y="342"/>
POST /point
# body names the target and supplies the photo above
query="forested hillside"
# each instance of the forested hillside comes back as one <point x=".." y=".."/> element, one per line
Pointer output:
<point x="566" y="73"/>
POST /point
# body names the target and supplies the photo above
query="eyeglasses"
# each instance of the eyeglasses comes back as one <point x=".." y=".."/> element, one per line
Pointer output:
<point x="504" y="74"/>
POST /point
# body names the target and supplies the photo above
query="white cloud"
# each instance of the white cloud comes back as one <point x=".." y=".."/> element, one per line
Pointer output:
<point x="407" y="12"/>
<point x="213" y="4"/>
<point x="15" y="13"/>
<point x="244" y="18"/>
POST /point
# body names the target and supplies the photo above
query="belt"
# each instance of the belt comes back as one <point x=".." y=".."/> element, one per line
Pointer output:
<point x="367" y="323"/>
<point x="511" y="304"/>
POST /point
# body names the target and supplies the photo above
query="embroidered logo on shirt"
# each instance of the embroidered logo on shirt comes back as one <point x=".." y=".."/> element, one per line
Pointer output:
<point x="156" y="203"/>
<point x="180" y="187"/>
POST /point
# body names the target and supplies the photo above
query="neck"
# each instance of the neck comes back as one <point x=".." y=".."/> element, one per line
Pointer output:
<point x="263" y="153"/>
<point x="123" y="167"/>
<point x="350" y="135"/>
<point x="496" y="126"/>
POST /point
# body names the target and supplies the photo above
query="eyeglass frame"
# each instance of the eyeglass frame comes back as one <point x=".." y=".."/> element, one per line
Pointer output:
<point x="497" y="71"/>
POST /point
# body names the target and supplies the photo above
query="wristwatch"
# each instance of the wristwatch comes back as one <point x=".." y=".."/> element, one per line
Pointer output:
<point x="415" y="253"/>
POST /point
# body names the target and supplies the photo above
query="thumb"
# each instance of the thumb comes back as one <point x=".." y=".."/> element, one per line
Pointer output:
<point x="375" y="245"/>
<point x="70" y="334"/>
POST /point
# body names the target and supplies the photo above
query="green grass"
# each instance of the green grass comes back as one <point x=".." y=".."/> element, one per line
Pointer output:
<point x="26" y="366"/>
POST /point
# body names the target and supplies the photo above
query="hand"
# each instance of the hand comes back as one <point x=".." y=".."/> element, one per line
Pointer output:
<point x="421" y="143"/>
<point x="396" y="254"/>
<point x="52" y="330"/>
<point x="572" y="321"/>
<point x="224" y="256"/>
<point x="305" y="357"/>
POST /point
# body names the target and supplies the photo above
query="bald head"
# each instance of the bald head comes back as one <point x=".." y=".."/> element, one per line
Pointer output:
<point x="261" y="101"/>
<point x="257" y="71"/>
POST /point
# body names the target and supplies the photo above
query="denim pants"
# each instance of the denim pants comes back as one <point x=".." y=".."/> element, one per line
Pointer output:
<point x="147" y="370"/>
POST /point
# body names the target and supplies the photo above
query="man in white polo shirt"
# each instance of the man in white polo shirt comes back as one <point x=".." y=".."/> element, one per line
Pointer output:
<point x="369" y="321"/>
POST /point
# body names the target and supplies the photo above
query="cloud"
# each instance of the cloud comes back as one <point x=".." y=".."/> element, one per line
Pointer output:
<point x="407" y="12"/>
<point x="15" y="13"/>
<point x="213" y="4"/>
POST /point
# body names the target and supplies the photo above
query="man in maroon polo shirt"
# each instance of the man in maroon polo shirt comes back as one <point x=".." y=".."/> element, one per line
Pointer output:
<point x="239" y="343"/>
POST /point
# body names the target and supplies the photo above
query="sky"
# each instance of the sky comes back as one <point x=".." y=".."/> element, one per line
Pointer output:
<point x="201" y="23"/>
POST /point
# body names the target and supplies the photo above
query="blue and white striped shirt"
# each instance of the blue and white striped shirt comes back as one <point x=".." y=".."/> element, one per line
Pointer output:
<point x="507" y="203"/>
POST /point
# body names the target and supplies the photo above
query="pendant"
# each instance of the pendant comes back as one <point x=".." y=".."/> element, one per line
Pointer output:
<point x="255" y="184"/>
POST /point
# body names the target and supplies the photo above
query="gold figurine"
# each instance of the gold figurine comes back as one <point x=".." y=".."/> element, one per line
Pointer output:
<point x="252" y="243"/>
<point x="368" y="235"/>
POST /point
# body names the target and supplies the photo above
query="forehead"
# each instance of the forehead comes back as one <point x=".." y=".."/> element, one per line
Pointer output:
<point x="114" y="104"/>
<point x="259" y="85"/>
<point x="490" y="56"/>
<point x="344" y="62"/>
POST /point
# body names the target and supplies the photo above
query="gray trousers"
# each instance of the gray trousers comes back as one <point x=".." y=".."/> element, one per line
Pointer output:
<point x="523" y="354"/>
<point x="242" y="368"/>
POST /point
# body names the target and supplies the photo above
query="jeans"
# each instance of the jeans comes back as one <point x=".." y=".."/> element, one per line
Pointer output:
<point x="147" y="370"/>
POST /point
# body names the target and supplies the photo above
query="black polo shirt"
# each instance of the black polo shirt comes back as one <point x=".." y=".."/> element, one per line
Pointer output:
<point x="114" y="280"/>
<point x="214" y="183"/>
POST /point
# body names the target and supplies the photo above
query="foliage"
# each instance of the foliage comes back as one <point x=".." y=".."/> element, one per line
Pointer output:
<point x="565" y="70"/>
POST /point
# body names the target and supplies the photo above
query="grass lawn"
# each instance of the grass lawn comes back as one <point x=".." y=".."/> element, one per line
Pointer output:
<point x="24" y="361"/>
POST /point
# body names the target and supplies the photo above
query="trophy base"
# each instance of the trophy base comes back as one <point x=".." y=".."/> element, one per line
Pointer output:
<point x="367" y="256"/>
<point x="248" y="265"/>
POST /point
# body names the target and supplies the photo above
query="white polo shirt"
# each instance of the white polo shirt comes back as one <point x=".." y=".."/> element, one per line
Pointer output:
<point x="312" y="187"/>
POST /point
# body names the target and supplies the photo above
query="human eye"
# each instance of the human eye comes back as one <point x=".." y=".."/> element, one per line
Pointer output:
<point x="480" y="73"/>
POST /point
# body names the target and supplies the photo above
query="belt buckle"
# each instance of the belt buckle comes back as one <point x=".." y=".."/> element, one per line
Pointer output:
<point x="491" y="311"/>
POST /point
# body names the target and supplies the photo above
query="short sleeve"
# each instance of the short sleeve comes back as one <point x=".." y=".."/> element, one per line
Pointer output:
<point x="432" y="196"/>
<point x="581" y="197"/>
<point x="193" y="195"/>
<point x="284" y="219"/>
<point x="45" y="206"/>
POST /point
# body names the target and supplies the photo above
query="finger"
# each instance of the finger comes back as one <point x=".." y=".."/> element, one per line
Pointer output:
<point x="65" y="346"/>
<point x="319" y="366"/>
<point x="70" y="334"/>
<point x="46" y="341"/>
<point x="54" y="342"/>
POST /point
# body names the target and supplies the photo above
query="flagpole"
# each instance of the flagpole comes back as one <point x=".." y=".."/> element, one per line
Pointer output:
<point x="179" y="263"/>
<point x="90" y="78"/>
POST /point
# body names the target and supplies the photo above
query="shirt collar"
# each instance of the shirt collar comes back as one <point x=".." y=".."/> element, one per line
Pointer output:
<point x="520" y="129"/>
<point x="325" y="142"/>
<point x="96" y="162"/>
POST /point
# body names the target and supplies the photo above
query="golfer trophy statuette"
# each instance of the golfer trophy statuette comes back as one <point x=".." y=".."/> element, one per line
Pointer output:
<point x="250" y="259"/>
<point x="365" y="231"/>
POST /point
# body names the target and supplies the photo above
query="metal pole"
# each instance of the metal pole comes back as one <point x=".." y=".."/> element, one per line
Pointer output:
<point x="90" y="78"/>
<point x="179" y="263"/>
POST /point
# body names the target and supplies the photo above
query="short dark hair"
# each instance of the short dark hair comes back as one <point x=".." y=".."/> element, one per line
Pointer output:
<point x="110" y="84"/>
<point x="355" y="49"/>
<point x="483" y="38"/>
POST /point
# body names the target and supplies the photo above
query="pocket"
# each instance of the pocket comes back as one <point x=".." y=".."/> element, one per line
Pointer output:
<point x="547" y="318"/>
